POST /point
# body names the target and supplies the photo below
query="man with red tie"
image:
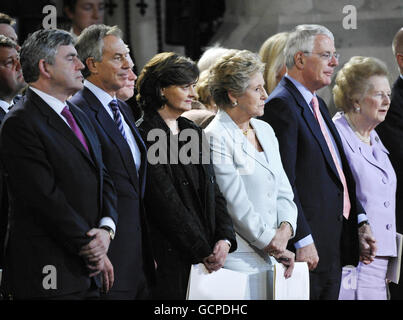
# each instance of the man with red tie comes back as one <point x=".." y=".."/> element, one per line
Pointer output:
<point x="62" y="202"/>
<point x="329" y="214"/>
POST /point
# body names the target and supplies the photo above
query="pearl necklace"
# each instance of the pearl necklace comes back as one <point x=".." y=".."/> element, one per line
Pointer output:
<point x="366" y="140"/>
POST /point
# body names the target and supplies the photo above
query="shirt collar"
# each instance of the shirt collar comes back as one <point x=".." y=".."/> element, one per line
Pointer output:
<point x="5" y="105"/>
<point x="53" y="102"/>
<point x="306" y="94"/>
<point x="101" y="95"/>
<point x="401" y="76"/>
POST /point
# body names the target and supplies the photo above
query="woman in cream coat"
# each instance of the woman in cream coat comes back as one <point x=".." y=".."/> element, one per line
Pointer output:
<point x="249" y="171"/>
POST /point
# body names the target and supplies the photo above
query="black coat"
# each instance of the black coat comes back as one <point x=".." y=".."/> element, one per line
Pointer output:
<point x="186" y="218"/>
<point x="391" y="134"/>
<point x="58" y="192"/>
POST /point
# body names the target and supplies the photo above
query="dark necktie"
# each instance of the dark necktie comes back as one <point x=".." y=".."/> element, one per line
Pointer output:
<point x="73" y="125"/>
<point x="117" y="117"/>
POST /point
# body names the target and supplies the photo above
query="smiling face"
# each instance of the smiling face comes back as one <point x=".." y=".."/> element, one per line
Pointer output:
<point x="317" y="71"/>
<point x="179" y="97"/>
<point x="375" y="103"/>
<point x="251" y="102"/>
<point x="112" y="72"/>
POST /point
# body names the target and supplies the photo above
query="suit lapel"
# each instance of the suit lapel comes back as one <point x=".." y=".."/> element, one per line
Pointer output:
<point x="59" y="125"/>
<point x="111" y="129"/>
<point x="313" y="124"/>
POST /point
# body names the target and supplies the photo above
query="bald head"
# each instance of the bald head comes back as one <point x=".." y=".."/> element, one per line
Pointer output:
<point x="397" y="47"/>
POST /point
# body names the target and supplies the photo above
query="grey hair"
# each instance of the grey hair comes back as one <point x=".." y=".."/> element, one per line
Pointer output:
<point x="302" y="39"/>
<point x="232" y="73"/>
<point x="90" y="43"/>
<point x="210" y="56"/>
<point x="42" y="44"/>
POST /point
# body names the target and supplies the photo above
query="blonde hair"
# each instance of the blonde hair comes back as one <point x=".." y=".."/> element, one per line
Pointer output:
<point x="352" y="80"/>
<point x="232" y="73"/>
<point x="272" y="53"/>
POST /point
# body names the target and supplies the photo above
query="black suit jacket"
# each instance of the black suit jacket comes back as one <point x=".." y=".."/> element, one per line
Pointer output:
<point x="318" y="191"/>
<point x="58" y="192"/>
<point x="130" y="252"/>
<point x="391" y="134"/>
<point x="3" y="207"/>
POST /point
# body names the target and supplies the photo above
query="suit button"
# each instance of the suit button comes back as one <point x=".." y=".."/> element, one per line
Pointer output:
<point x="340" y="218"/>
<point x="386" y="204"/>
<point x="388" y="226"/>
<point x="185" y="182"/>
<point x="212" y="179"/>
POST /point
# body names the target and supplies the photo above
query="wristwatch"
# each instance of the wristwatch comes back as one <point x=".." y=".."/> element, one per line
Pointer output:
<point x="110" y="231"/>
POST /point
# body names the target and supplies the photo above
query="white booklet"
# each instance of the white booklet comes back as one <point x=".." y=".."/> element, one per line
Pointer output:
<point x="393" y="272"/>
<point x="294" y="288"/>
<point x="223" y="284"/>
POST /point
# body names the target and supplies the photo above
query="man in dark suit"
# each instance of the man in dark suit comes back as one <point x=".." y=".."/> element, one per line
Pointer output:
<point x="108" y="67"/>
<point x="11" y="82"/>
<point x="313" y="158"/>
<point x="60" y="195"/>
<point x="391" y="133"/>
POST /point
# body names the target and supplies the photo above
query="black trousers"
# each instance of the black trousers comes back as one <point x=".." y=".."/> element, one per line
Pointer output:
<point x="325" y="285"/>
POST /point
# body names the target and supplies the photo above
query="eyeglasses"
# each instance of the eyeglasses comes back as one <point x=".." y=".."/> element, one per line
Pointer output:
<point x="325" y="55"/>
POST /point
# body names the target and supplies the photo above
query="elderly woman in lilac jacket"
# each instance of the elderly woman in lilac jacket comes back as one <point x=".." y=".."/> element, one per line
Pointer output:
<point x="362" y="91"/>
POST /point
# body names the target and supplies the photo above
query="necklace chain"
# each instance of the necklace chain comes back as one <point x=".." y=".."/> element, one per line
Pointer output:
<point x="366" y="140"/>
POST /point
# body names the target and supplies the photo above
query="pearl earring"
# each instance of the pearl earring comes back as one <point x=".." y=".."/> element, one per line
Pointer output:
<point x="235" y="103"/>
<point x="357" y="109"/>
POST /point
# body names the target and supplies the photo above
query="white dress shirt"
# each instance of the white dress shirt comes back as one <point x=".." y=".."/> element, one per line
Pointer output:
<point x="105" y="98"/>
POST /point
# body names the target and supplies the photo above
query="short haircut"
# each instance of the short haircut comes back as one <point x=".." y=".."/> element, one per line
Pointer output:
<point x="90" y="43"/>
<point x="42" y="44"/>
<point x="352" y="80"/>
<point x="163" y="70"/>
<point x="302" y="39"/>
<point x="7" y="42"/>
<point x="6" y="19"/>
<point x="71" y="4"/>
<point x="397" y="44"/>
<point x="272" y="54"/>
<point x="232" y="73"/>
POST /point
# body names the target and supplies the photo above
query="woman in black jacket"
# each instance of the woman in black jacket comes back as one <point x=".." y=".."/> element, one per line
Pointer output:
<point x="188" y="217"/>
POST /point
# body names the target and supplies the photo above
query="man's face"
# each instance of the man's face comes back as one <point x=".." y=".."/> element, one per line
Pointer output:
<point x="9" y="32"/>
<point x="318" y="70"/>
<point x="86" y="13"/>
<point x="65" y="72"/>
<point x="11" y="78"/>
<point x="112" y="72"/>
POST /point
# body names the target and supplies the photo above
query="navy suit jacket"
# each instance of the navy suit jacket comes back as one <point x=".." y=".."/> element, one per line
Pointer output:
<point x="3" y="207"/>
<point x="318" y="191"/>
<point x="391" y="134"/>
<point x="130" y="252"/>
<point x="58" y="192"/>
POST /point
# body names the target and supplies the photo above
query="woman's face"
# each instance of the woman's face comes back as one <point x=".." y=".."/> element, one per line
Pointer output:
<point x="179" y="97"/>
<point x="252" y="101"/>
<point x="375" y="103"/>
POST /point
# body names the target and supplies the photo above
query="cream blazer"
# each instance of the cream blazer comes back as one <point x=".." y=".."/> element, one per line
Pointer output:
<point x="255" y="185"/>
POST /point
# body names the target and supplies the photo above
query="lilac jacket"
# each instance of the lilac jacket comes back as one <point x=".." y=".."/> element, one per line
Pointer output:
<point x="375" y="183"/>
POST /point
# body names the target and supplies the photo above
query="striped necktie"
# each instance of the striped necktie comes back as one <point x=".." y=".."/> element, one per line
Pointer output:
<point x="117" y="117"/>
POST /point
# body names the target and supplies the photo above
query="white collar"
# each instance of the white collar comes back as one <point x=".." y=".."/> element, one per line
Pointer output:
<point x="101" y="94"/>
<point x="5" y="105"/>
<point x="53" y="102"/>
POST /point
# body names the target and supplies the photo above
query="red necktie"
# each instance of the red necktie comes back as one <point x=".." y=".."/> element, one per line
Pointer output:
<point x="73" y="125"/>
<point x="318" y="116"/>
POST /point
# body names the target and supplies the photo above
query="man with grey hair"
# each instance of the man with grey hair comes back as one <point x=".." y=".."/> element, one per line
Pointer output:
<point x="313" y="157"/>
<point x="11" y="82"/>
<point x="107" y="69"/>
<point x="60" y="194"/>
<point x="391" y="133"/>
